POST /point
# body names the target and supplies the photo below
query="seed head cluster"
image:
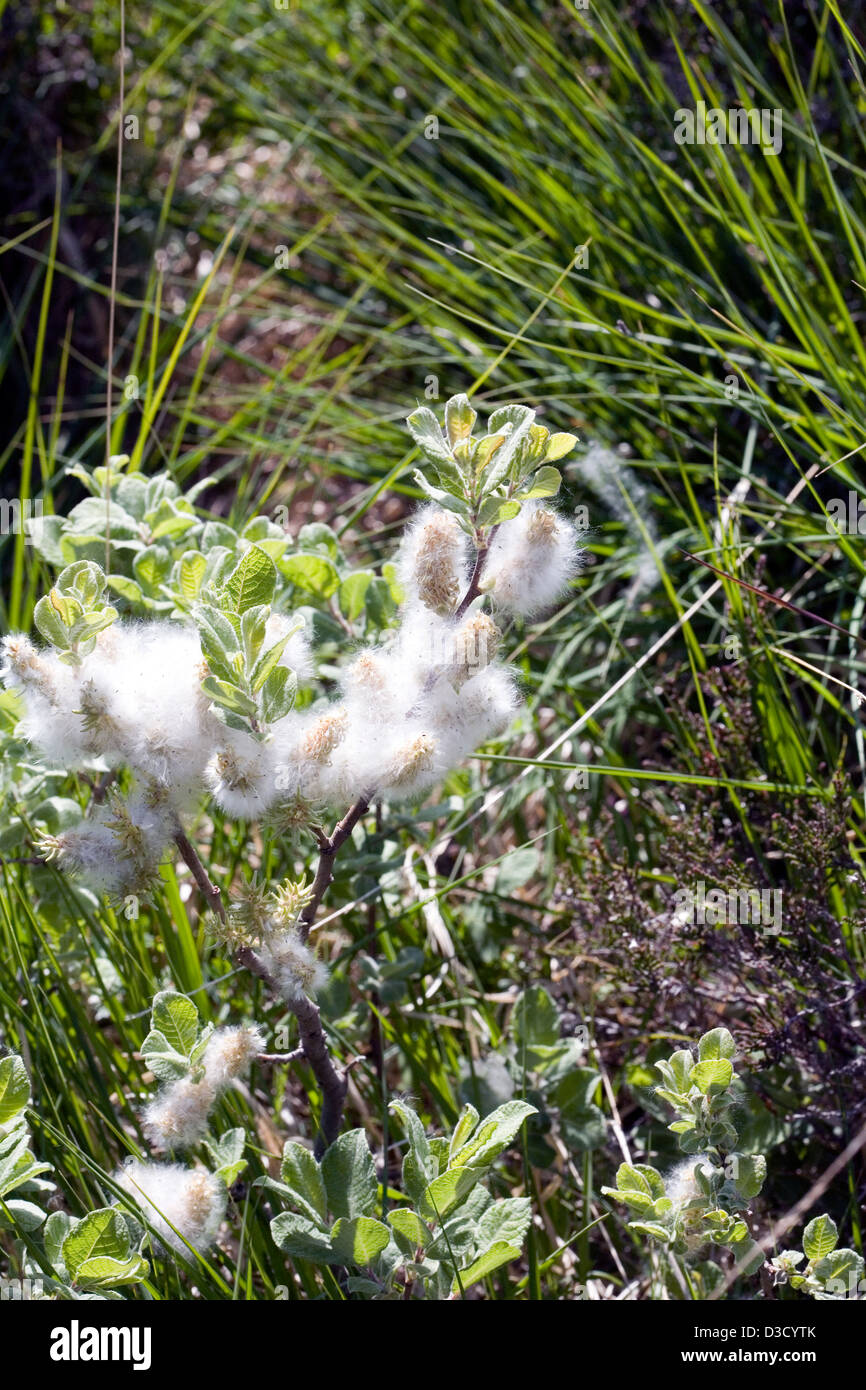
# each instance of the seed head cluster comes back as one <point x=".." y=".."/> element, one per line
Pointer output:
<point x="407" y="710"/>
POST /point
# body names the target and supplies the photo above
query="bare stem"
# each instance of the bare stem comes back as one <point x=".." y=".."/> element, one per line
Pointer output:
<point x="481" y="553"/>
<point x="314" y="1045"/>
<point x="199" y="873"/>
<point x="328" y="847"/>
<point x="332" y="1083"/>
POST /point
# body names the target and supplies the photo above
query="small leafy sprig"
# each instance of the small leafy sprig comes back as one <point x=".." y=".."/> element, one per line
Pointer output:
<point x="74" y="611"/>
<point x="701" y="1202"/>
<point x="450" y="1232"/>
<point x="247" y="686"/>
<point x="485" y="479"/>
<point x="831" y="1271"/>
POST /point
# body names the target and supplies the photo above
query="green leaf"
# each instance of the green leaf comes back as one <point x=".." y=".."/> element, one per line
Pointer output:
<point x="230" y="697"/>
<point x="652" y="1177"/>
<point x="844" y="1265"/>
<point x="515" y="870"/>
<point x="102" y="1233"/>
<point x="126" y="587"/>
<point x="546" y="483"/>
<point x="278" y="694"/>
<point x="749" y="1173"/>
<point x="267" y="662"/>
<point x="317" y="536"/>
<point x="495" y="1134"/>
<point x="558" y="445"/>
<point x="357" y="1241"/>
<point x="712" y="1077"/>
<point x="467" y="1122"/>
<point x="254" y="624"/>
<point x="176" y="1018"/>
<point x="216" y="630"/>
<point x="379" y="603"/>
<point x="253" y="581"/>
<point x="520" y="418"/>
<point x="315" y="574"/>
<point x="90" y="517"/>
<point x="424" y="429"/>
<point x="535" y="1019"/>
<point x="152" y="567"/>
<point x="216" y="533"/>
<point x="91" y="623"/>
<point x="57" y="1228"/>
<point x="495" y="510"/>
<point x="750" y="1251"/>
<point x="190" y="573"/>
<point x="102" y="1271"/>
<point x="446" y="1192"/>
<point x="161" y="1058"/>
<point x="820" y="1237"/>
<point x="631" y="1178"/>
<point x="14" y="1088"/>
<point x="171" y="520"/>
<point x="66" y="606"/>
<point x="300" y="1172"/>
<point x="227" y="1152"/>
<point x="499" y="1254"/>
<point x="350" y="1175"/>
<point x="459" y="419"/>
<point x="410" y="1230"/>
<point x="50" y="623"/>
<point x="715" y="1044"/>
<point x="23" y="1216"/>
<point x="636" y="1201"/>
<point x="651" y="1228"/>
<point x="84" y="578"/>
<point x="678" y="1070"/>
<point x="419" y="1165"/>
<point x="506" y="1220"/>
<point x="353" y="592"/>
<point x="301" y="1239"/>
<point x="15" y="1159"/>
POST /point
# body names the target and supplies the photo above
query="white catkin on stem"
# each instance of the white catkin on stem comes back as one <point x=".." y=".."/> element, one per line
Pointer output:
<point x="181" y="1204"/>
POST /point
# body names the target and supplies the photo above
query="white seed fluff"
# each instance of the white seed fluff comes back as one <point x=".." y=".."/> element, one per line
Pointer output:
<point x="177" y="1118"/>
<point x="531" y="560"/>
<point x="191" y="1200"/>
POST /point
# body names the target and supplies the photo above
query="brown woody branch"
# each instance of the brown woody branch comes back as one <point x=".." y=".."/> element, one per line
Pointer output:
<point x="314" y="1045"/>
<point x="328" y="847"/>
<point x="474" y="589"/>
<point x="332" y="1083"/>
<point x="208" y="889"/>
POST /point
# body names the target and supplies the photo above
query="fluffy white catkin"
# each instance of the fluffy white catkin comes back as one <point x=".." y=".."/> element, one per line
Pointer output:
<point x="531" y="560"/>
<point x="177" y="1117"/>
<point x="190" y="1200"/>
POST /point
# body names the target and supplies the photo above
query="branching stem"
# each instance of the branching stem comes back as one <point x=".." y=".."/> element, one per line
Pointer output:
<point x="314" y="1044"/>
<point x="199" y="872"/>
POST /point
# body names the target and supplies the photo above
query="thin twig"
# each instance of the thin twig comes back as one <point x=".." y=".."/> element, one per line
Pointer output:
<point x="284" y="1058"/>
<point x="208" y="889"/>
<point x="314" y="1044"/>
<point x="475" y="582"/>
<point x="328" y="847"/>
<point x="771" y="598"/>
